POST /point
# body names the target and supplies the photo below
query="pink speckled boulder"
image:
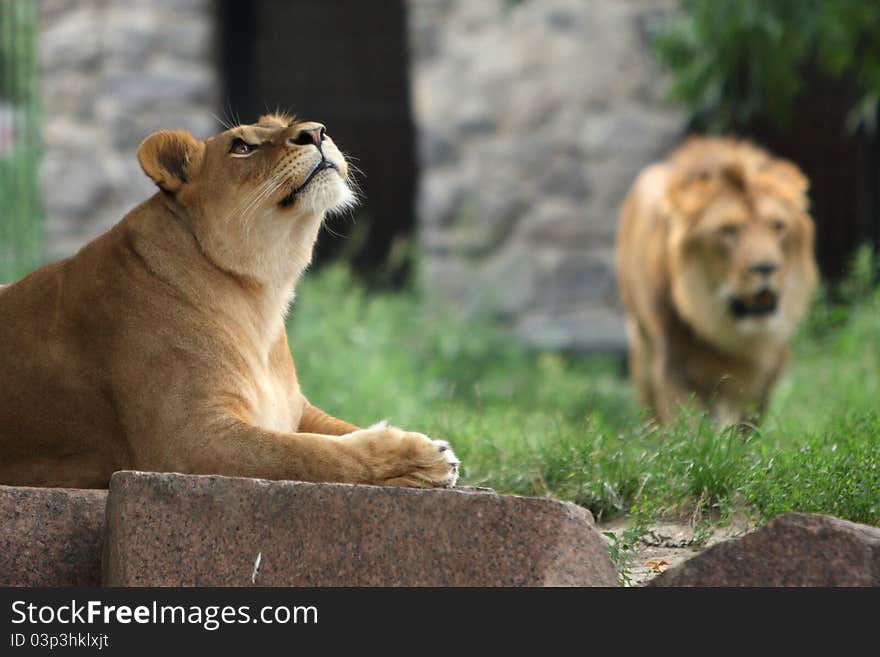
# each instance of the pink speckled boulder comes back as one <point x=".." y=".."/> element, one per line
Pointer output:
<point x="181" y="530"/>
<point x="51" y="536"/>
<point x="794" y="549"/>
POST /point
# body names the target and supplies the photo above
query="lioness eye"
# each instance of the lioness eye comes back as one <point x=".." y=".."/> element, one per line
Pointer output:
<point x="778" y="226"/>
<point x="241" y="147"/>
<point x="729" y="230"/>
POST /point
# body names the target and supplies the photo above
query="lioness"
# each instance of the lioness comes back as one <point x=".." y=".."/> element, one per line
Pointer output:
<point x="161" y="345"/>
<point x="715" y="267"/>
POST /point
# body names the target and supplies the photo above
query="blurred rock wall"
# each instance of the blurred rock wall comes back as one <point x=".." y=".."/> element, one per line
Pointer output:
<point x="533" y="119"/>
<point x="112" y="72"/>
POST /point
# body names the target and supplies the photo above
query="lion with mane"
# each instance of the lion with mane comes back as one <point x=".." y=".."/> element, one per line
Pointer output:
<point x="715" y="268"/>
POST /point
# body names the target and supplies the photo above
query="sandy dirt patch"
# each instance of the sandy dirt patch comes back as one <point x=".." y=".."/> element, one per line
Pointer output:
<point x="668" y="543"/>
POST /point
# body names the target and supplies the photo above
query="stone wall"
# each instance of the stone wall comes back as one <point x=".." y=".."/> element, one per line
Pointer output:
<point x="113" y="71"/>
<point x="533" y="119"/>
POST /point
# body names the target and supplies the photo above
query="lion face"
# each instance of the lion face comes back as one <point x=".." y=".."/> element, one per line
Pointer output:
<point x="741" y="251"/>
<point x="255" y="195"/>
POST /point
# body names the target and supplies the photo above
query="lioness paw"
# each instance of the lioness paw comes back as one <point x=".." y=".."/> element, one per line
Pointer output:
<point x="394" y="457"/>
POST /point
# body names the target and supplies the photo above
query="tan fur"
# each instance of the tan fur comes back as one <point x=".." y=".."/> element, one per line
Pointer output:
<point x="699" y="234"/>
<point x="161" y="345"/>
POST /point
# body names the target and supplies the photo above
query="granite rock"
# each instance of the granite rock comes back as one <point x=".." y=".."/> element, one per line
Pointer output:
<point x="185" y="530"/>
<point x="794" y="549"/>
<point x="51" y="536"/>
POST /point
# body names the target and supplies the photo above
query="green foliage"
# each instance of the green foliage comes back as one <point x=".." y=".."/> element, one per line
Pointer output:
<point x="20" y="226"/>
<point x="20" y="216"/>
<point x="622" y="547"/>
<point x="864" y="272"/>
<point x="733" y="60"/>
<point x="834" y="471"/>
<point x="18" y="57"/>
<point x="833" y="308"/>
<point x="568" y="427"/>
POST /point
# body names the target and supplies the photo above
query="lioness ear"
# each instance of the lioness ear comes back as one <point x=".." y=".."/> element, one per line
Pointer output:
<point x="169" y="157"/>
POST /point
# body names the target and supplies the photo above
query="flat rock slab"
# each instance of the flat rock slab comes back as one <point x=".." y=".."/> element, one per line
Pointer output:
<point x="184" y="530"/>
<point x="51" y="536"/>
<point x="794" y="549"/>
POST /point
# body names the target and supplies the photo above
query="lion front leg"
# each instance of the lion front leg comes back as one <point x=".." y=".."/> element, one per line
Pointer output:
<point x="669" y="393"/>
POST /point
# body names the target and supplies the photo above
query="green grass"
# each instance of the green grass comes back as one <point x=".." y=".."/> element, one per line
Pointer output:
<point x="568" y="427"/>
<point x="20" y="224"/>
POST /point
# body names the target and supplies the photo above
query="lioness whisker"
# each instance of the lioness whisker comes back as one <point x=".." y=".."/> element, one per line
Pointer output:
<point x="252" y="201"/>
<point x="268" y="189"/>
<point x="226" y="125"/>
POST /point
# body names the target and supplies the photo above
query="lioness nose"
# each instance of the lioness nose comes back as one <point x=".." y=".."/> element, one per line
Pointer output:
<point x="764" y="268"/>
<point x="309" y="136"/>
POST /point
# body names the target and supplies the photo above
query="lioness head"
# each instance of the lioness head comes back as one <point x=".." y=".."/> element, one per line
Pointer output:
<point x="253" y="196"/>
<point x="741" y="243"/>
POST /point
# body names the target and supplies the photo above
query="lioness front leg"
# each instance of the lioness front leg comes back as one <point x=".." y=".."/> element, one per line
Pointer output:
<point x="314" y="420"/>
<point x="379" y="455"/>
<point x="387" y="448"/>
<point x="396" y="457"/>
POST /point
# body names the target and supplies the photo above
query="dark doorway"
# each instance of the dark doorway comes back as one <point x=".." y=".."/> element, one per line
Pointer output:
<point x="345" y="64"/>
<point x="843" y="166"/>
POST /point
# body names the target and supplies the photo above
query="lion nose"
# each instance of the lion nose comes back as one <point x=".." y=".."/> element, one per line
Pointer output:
<point x="764" y="268"/>
<point x="309" y="136"/>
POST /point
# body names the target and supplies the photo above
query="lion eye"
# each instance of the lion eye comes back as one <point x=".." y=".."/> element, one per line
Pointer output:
<point x="778" y="226"/>
<point x="241" y="147"/>
<point x="729" y="230"/>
